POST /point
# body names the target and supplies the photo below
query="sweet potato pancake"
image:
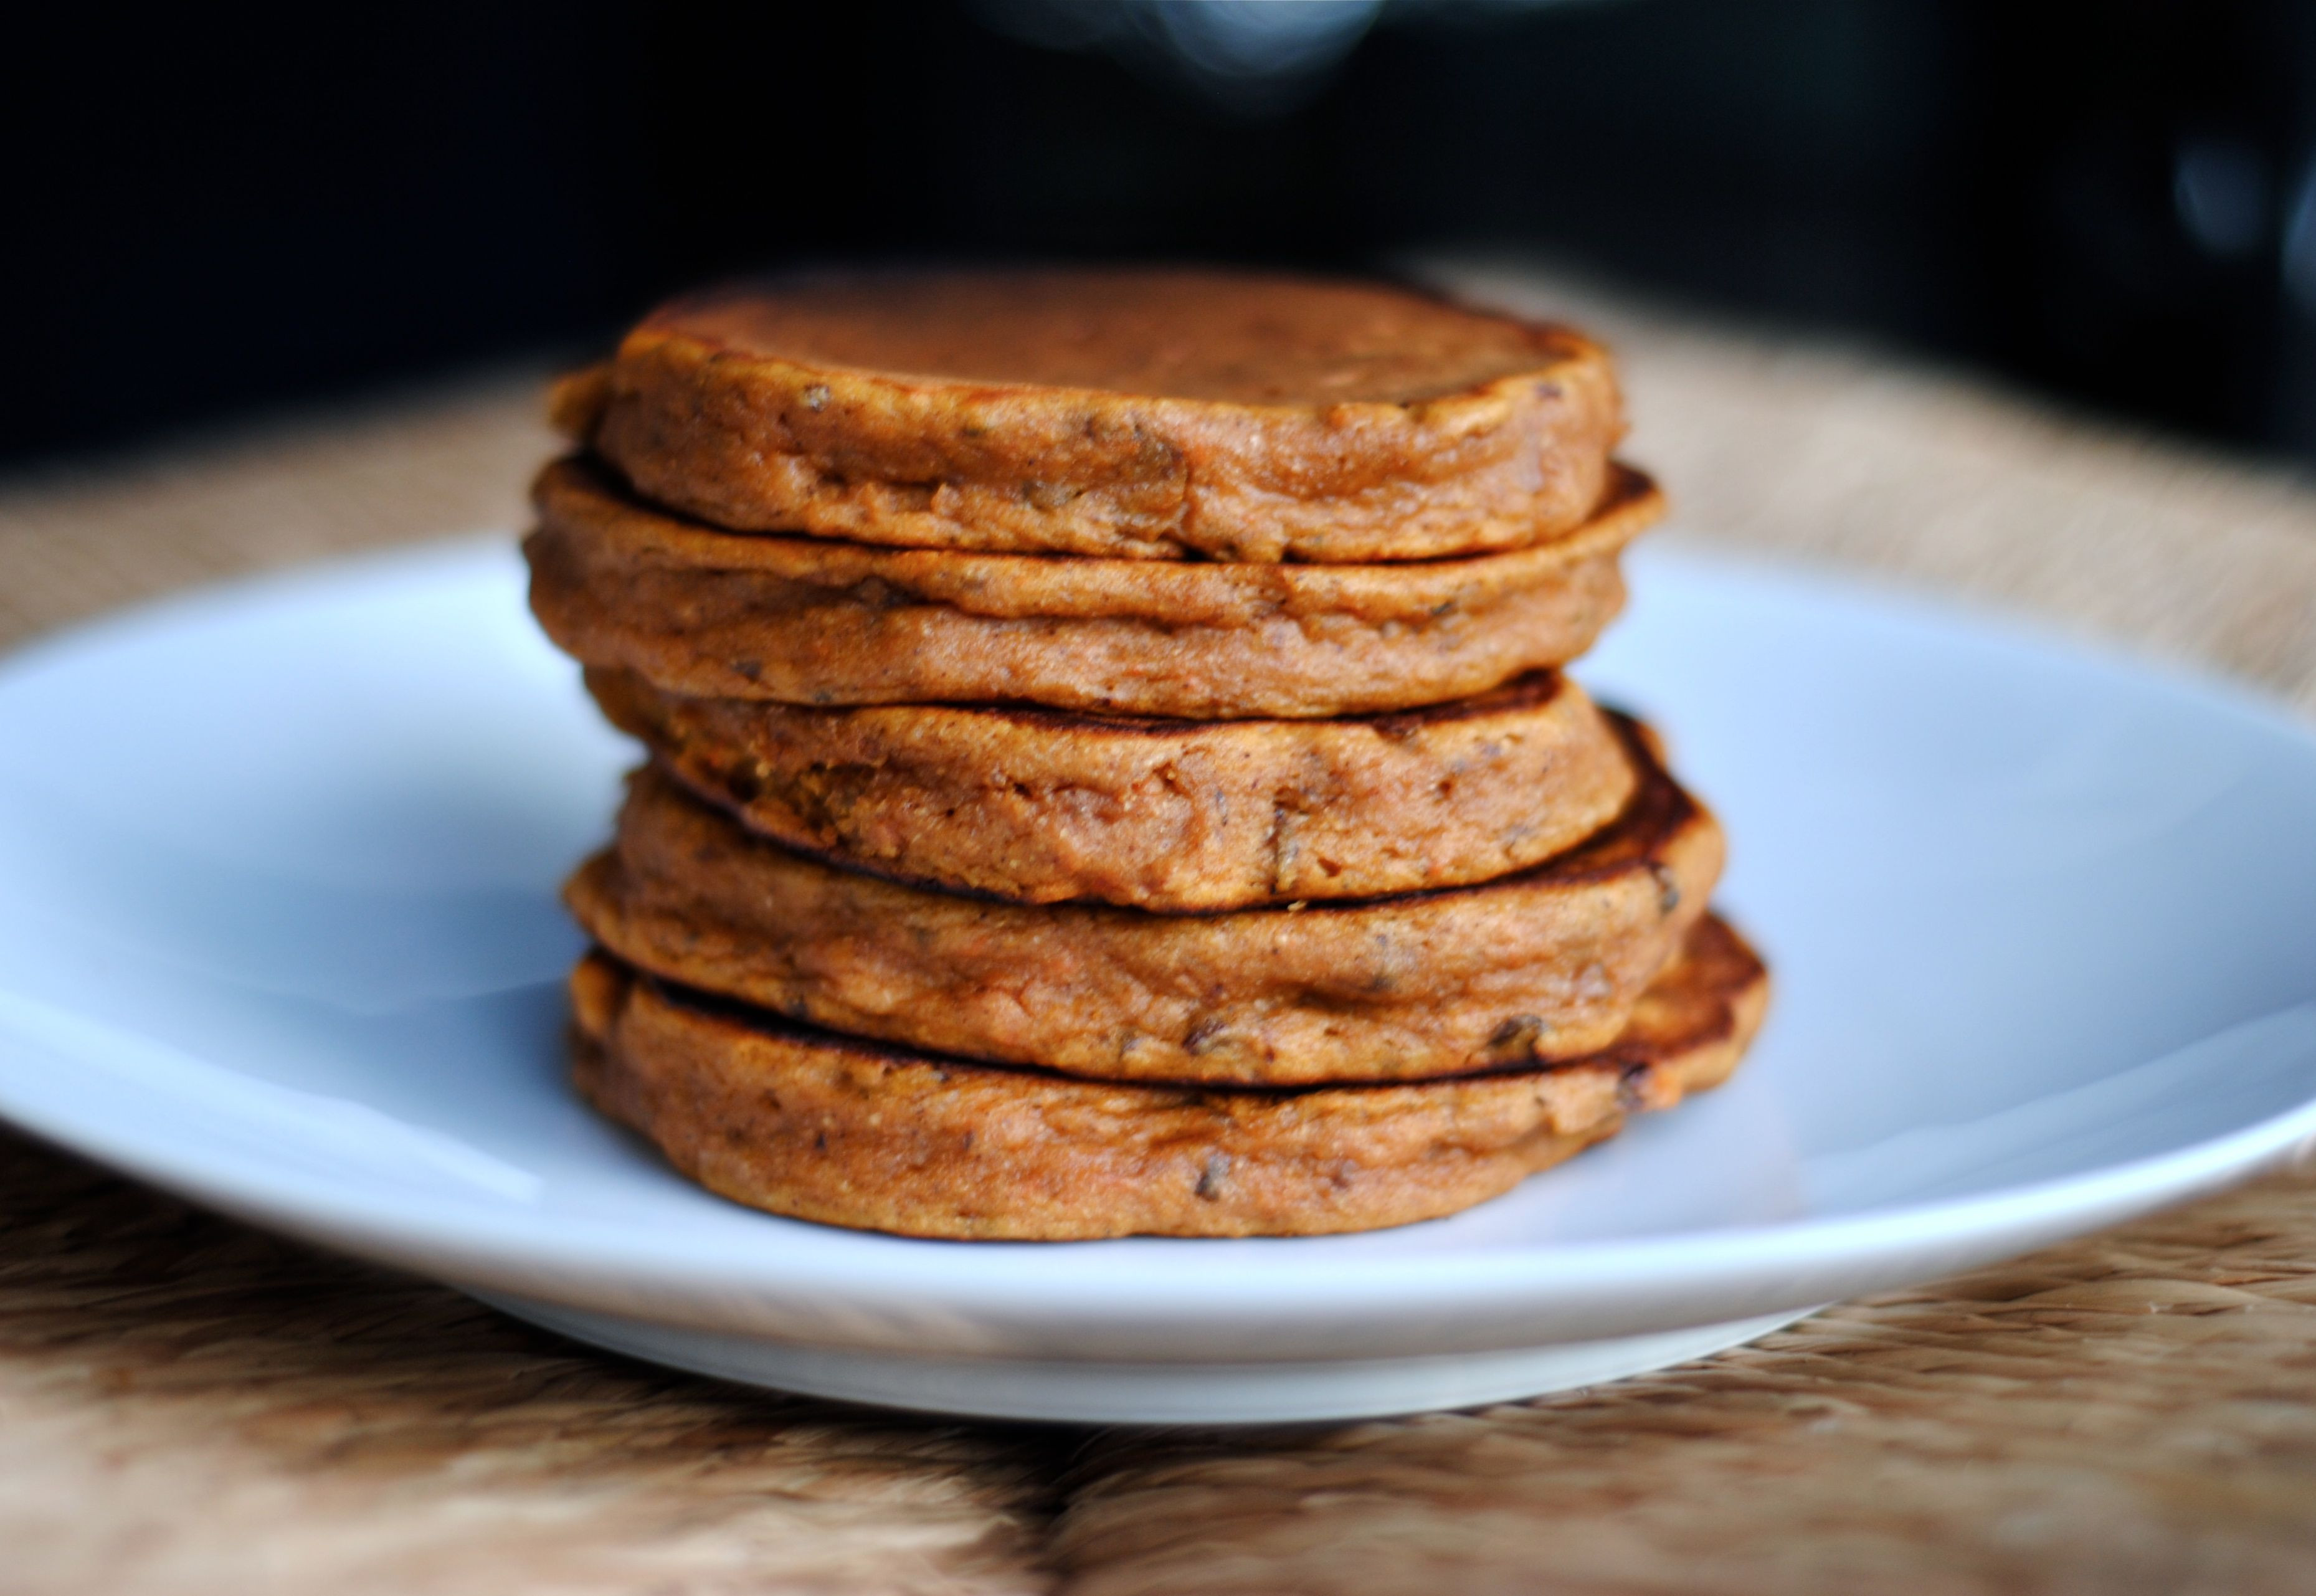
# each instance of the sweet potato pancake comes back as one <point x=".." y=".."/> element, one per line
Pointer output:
<point x="1543" y="964"/>
<point x="1125" y="413"/>
<point x="803" y="620"/>
<point x="1043" y="806"/>
<point x="821" y="1127"/>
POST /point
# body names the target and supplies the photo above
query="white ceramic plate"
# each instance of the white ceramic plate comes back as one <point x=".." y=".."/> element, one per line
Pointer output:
<point x="278" y="931"/>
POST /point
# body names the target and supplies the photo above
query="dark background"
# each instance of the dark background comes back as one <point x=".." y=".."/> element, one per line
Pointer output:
<point x="215" y="216"/>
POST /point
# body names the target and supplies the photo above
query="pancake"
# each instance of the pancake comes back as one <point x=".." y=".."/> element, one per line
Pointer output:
<point x="1123" y="414"/>
<point x="801" y="620"/>
<point x="824" y="1127"/>
<point x="1043" y="807"/>
<point x="1544" y="964"/>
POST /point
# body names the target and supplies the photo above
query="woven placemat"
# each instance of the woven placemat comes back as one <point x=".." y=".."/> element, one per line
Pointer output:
<point x="189" y="1406"/>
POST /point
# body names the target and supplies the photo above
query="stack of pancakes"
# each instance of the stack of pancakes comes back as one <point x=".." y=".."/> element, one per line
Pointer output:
<point x="1111" y="772"/>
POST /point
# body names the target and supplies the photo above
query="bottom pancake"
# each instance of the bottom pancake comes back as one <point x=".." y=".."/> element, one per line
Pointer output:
<point x="823" y="1127"/>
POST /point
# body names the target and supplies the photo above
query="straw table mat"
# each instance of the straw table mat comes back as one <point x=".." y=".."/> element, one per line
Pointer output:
<point x="188" y="1406"/>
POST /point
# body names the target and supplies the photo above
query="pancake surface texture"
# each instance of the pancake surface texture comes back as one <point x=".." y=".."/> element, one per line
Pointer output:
<point x="714" y="614"/>
<point x="1111" y="771"/>
<point x="823" y="1128"/>
<point x="1129" y="413"/>
<point x="1044" y="806"/>
<point x="1540" y="965"/>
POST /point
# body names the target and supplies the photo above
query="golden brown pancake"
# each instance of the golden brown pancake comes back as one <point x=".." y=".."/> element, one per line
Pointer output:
<point x="1043" y="806"/>
<point x="1544" y="964"/>
<point x="825" y="1128"/>
<point x="803" y="620"/>
<point x="1124" y="414"/>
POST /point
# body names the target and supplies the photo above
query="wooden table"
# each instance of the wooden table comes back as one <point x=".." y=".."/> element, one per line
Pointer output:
<point x="187" y="1405"/>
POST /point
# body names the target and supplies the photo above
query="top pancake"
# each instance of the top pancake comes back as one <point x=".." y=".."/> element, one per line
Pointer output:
<point x="1153" y="414"/>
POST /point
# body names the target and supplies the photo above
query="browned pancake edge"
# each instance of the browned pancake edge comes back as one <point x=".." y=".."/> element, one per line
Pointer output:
<point x="1045" y="806"/>
<point x="1543" y="964"/>
<point x="828" y="1128"/>
<point x="1150" y="414"/>
<point x="706" y="613"/>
